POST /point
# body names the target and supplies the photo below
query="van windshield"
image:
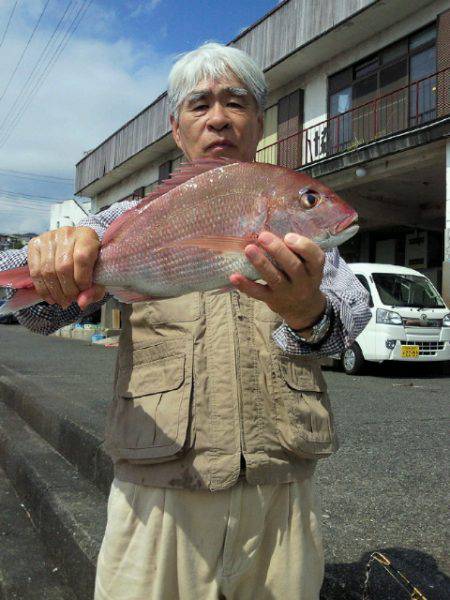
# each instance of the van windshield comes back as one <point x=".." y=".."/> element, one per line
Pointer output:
<point x="407" y="290"/>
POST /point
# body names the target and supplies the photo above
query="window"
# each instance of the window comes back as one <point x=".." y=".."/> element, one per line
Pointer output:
<point x="290" y="118"/>
<point x="367" y="67"/>
<point x="384" y="77"/>
<point x="422" y="38"/>
<point x="164" y="171"/>
<point x="365" y="283"/>
<point x="406" y="290"/>
<point x="365" y="89"/>
<point x="393" y="74"/>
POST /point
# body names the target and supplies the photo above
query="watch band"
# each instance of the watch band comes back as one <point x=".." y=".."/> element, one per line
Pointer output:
<point x="319" y="329"/>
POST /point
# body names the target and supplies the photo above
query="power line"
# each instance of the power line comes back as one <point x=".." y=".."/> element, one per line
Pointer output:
<point x="9" y="192"/>
<point x="20" y="95"/>
<point x="32" y="93"/>
<point x="7" y="24"/>
<point x="24" y="50"/>
<point x="8" y="202"/>
<point x="9" y="205"/>
<point x="63" y="43"/>
<point x="36" y="177"/>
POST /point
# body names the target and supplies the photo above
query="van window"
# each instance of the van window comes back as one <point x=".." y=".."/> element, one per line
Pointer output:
<point x="407" y="290"/>
<point x="365" y="283"/>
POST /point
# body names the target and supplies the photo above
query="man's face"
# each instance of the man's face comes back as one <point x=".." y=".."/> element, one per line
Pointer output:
<point x="218" y="118"/>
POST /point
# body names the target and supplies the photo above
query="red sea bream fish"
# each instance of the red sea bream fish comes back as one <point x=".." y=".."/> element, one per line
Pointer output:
<point x="190" y="233"/>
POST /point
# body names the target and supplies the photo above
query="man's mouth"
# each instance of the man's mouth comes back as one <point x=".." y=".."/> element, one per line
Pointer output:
<point x="220" y="144"/>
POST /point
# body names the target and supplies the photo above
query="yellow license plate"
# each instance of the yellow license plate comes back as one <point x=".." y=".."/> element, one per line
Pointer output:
<point x="409" y="352"/>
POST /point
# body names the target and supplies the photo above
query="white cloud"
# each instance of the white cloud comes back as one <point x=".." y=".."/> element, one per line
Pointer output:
<point x="94" y="88"/>
<point x="22" y="220"/>
<point x="145" y="7"/>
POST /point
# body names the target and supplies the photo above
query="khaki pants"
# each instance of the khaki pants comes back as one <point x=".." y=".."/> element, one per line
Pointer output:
<point x="244" y="543"/>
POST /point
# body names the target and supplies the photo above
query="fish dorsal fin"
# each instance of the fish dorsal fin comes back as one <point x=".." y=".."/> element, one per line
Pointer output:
<point x="182" y="174"/>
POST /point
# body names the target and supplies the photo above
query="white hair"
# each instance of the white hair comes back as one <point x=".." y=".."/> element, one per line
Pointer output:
<point x="213" y="61"/>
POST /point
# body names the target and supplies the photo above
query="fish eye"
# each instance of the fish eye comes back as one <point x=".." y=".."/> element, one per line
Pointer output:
<point x="309" y="198"/>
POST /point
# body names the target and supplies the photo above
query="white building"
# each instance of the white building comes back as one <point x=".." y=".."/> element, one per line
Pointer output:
<point x="67" y="213"/>
<point x="359" y="99"/>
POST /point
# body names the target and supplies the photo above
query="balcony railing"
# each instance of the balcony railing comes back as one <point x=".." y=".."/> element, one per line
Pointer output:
<point x="405" y="108"/>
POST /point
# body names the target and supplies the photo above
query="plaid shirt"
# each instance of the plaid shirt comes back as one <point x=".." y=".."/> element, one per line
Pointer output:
<point x="346" y="296"/>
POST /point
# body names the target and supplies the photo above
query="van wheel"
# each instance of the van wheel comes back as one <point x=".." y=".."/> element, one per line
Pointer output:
<point x="352" y="360"/>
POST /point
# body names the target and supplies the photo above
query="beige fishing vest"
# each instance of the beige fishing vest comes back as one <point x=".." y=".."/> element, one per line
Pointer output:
<point x="203" y="396"/>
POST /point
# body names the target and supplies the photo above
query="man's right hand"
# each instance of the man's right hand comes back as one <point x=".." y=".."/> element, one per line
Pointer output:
<point x="61" y="264"/>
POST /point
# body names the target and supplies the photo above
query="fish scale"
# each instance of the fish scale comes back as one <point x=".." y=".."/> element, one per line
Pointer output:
<point x="190" y="233"/>
<point x="227" y="201"/>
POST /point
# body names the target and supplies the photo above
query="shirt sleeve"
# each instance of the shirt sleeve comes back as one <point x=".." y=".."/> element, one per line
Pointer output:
<point x="349" y="302"/>
<point x="46" y="318"/>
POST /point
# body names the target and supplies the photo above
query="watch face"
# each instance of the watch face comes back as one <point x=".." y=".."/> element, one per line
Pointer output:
<point x="318" y="331"/>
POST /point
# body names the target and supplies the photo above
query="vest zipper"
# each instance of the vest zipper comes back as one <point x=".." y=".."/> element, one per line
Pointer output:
<point x="236" y="308"/>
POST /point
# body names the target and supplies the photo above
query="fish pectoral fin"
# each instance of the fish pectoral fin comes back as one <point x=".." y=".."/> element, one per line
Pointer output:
<point x="223" y="290"/>
<point x="215" y="243"/>
<point x="128" y="296"/>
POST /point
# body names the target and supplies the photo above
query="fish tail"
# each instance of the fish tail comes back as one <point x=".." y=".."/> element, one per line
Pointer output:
<point x="21" y="299"/>
<point x="17" y="282"/>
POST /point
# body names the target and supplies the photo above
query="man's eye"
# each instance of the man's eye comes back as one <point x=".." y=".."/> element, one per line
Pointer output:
<point x="235" y="104"/>
<point x="200" y="107"/>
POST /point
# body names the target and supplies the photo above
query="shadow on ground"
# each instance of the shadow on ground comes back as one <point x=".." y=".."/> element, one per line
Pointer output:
<point x="400" y="370"/>
<point x="345" y="581"/>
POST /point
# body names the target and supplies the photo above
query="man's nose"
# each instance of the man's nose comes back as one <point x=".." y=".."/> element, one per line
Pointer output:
<point x="217" y="118"/>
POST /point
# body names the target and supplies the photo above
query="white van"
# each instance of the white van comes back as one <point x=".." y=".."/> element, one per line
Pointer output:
<point x="410" y="321"/>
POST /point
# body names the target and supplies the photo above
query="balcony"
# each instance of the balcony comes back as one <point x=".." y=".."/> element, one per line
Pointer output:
<point x="406" y="108"/>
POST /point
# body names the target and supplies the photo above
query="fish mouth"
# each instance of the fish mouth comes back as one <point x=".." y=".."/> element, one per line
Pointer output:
<point x="340" y="234"/>
<point x="343" y="225"/>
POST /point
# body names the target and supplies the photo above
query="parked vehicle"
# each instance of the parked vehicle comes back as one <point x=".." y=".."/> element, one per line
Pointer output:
<point x="410" y="321"/>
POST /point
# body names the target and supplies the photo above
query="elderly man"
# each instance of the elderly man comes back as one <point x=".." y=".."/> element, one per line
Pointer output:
<point x="220" y="410"/>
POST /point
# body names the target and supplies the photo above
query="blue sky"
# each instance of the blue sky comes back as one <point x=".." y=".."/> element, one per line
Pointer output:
<point x="113" y="66"/>
<point x="178" y="26"/>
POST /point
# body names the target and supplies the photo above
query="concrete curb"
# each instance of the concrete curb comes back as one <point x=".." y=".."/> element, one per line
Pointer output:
<point x="68" y="512"/>
<point x="47" y="414"/>
<point x="25" y="571"/>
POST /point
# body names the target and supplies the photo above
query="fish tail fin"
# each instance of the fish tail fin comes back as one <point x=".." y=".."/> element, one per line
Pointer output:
<point x="19" y="283"/>
<point x="16" y="278"/>
<point x="21" y="299"/>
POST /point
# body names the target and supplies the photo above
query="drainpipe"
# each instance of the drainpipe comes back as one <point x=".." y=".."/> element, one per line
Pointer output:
<point x="446" y="263"/>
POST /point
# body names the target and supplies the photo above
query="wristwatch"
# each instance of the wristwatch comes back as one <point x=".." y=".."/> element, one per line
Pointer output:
<point x="319" y="330"/>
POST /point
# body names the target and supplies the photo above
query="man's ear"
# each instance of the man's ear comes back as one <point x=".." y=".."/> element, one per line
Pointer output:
<point x="260" y="126"/>
<point x="175" y="131"/>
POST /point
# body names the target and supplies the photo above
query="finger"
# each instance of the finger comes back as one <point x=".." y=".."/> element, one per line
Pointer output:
<point x="271" y="275"/>
<point x="312" y="255"/>
<point x="49" y="275"/>
<point x="91" y="295"/>
<point x="251" y="288"/>
<point x="34" y="264"/>
<point x="286" y="260"/>
<point x="85" y="254"/>
<point x="64" y="264"/>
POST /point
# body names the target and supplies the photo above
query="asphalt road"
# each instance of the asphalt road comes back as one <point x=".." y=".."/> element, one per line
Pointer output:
<point x="385" y="490"/>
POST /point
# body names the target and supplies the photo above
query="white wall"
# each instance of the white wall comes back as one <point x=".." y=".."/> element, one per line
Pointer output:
<point x="141" y="178"/>
<point x="66" y="214"/>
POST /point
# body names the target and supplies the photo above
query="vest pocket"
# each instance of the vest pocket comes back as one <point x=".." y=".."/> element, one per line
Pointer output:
<point x="151" y="412"/>
<point x="305" y="422"/>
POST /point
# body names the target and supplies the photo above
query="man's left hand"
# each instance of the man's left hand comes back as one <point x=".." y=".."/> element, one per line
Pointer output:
<point x="293" y="289"/>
